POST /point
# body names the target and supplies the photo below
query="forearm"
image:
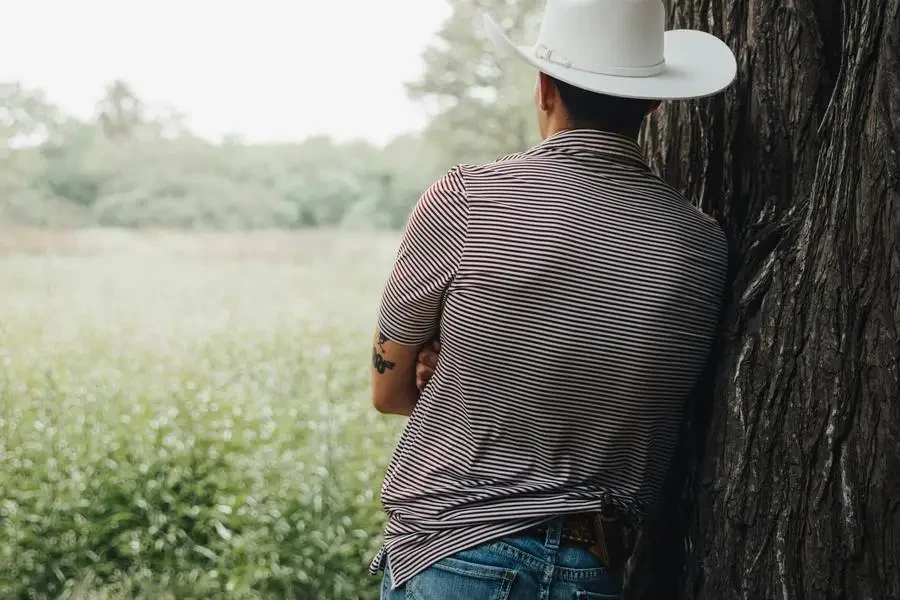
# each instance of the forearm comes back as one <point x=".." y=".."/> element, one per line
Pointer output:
<point x="394" y="388"/>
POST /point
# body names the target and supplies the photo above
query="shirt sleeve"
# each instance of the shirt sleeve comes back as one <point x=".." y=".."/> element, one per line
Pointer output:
<point x="426" y="263"/>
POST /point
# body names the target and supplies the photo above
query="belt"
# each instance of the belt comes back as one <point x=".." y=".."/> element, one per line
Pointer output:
<point x="611" y="539"/>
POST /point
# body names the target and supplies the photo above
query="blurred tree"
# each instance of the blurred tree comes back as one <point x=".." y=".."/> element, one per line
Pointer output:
<point x="164" y="121"/>
<point x="482" y="109"/>
<point x="405" y="168"/>
<point x="26" y="117"/>
<point x="80" y="164"/>
<point x="121" y="113"/>
<point x="29" y="124"/>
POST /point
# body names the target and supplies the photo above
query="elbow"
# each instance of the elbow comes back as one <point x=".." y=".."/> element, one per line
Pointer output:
<point x="391" y="406"/>
<point x="380" y="404"/>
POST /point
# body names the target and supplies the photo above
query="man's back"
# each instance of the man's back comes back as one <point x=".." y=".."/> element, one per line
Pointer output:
<point x="581" y="298"/>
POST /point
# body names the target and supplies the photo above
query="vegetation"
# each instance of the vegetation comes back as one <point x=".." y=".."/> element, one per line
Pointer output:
<point x="186" y="417"/>
<point x="193" y="421"/>
<point x="131" y="167"/>
<point x="134" y="165"/>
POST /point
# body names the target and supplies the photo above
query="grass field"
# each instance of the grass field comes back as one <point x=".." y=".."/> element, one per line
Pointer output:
<point x="188" y="416"/>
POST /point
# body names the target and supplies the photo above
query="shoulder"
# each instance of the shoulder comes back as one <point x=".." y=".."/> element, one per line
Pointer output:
<point x="495" y="171"/>
<point x="706" y="230"/>
<point x="451" y="183"/>
<point x="704" y="221"/>
<point x="454" y="185"/>
<point x="510" y="157"/>
<point x="447" y="192"/>
<point x="714" y="239"/>
<point x="444" y="206"/>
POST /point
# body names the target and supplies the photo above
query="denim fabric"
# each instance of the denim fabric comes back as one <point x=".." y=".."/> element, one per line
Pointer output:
<point x="513" y="568"/>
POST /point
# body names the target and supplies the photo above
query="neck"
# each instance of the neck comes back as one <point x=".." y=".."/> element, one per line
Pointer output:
<point x="555" y="126"/>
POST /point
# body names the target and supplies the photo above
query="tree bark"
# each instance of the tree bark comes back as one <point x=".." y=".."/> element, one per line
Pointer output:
<point x="787" y="481"/>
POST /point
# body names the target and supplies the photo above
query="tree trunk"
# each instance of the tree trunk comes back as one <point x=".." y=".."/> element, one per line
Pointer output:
<point x="787" y="482"/>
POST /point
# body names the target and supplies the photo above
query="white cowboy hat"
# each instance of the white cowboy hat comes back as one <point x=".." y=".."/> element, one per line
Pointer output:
<point x="621" y="48"/>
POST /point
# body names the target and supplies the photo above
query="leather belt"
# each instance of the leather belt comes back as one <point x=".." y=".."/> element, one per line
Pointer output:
<point x="611" y="539"/>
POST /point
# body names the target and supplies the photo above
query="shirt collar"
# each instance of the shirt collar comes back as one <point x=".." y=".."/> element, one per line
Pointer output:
<point x="591" y="143"/>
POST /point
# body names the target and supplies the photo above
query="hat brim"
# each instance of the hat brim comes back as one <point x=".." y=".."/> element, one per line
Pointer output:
<point x="697" y="65"/>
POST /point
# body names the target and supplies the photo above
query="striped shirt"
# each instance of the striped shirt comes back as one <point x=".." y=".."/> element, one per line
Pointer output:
<point x="576" y="296"/>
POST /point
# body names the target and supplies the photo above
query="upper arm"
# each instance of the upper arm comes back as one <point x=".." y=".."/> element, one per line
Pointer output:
<point x="410" y="311"/>
<point x="426" y="263"/>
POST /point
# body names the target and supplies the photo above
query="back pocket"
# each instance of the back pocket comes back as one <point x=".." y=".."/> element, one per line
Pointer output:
<point x="454" y="579"/>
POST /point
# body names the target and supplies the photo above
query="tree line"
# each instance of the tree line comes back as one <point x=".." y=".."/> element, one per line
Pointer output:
<point x="130" y="167"/>
<point x="135" y="165"/>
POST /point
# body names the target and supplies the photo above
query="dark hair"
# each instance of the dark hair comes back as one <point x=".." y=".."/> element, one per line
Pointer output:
<point x="599" y="111"/>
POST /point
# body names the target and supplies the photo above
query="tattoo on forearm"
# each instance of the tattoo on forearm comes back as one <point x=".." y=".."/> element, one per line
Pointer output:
<point x="378" y="362"/>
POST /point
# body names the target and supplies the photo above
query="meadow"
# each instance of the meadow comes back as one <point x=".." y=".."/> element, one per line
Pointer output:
<point x="187" y="415"/>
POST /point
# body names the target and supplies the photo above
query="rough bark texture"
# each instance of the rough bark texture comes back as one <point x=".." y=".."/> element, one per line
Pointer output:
<point x="787" y="484"/>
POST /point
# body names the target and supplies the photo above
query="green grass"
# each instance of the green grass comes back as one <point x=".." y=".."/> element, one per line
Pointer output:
<point x="180" y="422"/>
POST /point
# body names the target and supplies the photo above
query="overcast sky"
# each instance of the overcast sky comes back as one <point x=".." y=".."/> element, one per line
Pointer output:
<point x="263" y="69"/>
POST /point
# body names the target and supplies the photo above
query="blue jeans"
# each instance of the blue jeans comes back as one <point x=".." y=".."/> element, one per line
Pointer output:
<point x="519" y="567"/>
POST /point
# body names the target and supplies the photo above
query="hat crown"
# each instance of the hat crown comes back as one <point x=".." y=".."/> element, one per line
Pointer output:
<point x="604" y="36"/>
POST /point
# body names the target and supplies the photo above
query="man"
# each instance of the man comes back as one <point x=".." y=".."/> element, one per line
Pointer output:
<point x="576" y="297"/>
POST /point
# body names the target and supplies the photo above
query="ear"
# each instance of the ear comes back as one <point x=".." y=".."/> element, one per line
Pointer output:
<point x="547" y="94"/>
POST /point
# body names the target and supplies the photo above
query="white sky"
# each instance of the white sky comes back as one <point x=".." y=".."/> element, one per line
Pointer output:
<point x="262" y="69"/>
